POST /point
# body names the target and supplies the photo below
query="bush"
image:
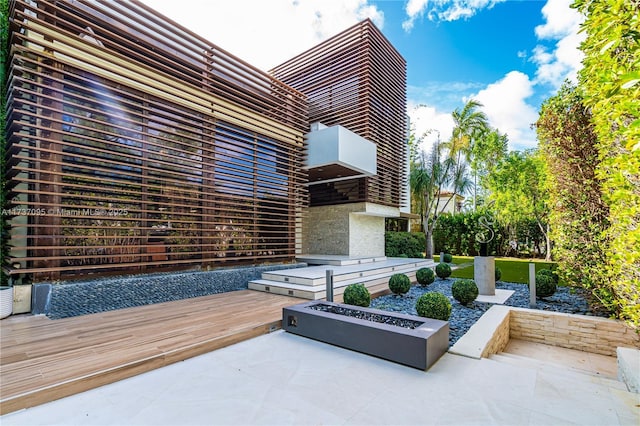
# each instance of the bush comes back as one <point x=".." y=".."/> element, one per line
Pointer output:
<point x="498" y="274"/>
<point x="549" y="273"/>
<point x="399" y="283"/>
<point x="434" y="305"/>
<point x="404" y="244"/>
<point x="545" y="285"/>
<point x="425" y="276"/>
<point x="356" y="294"/>
<point x="464" y="291"/>
<point x="447" y="258"/>
<point x="443" y="270"/>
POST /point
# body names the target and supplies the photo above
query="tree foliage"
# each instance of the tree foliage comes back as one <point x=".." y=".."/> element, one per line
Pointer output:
<point x="579" y="217"/>
<point x="434" y="174"/>
<point x="610" y="80"/>
<point x="517" y="190"/>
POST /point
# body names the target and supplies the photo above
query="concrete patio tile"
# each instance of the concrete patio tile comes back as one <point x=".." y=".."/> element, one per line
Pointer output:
<point x="286" y="379"/>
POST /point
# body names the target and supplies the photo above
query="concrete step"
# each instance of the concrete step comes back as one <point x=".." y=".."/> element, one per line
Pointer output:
<point x="336" y="260"/>
<point x="629" y="368"/>
<point x="375" y="279"/>
<point x="557" y="369"/>
<point x="316" y="275"/>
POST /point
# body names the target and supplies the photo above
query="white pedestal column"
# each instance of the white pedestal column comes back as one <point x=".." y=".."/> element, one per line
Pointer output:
<point x="484" y="274"/>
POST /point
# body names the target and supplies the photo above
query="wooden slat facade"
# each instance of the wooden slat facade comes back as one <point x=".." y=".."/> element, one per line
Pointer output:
<point x="135" y="144"/>
<point x="358" y="80"/>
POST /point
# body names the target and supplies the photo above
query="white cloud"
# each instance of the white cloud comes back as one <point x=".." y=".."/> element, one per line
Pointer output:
<point x="560" y="19"/>
<point x="564" y="59"/>
<point x="267" y="33"/>
<point x="444" y="10"/>
<point x="429" y="123"/>
<point x="507" y="110"/>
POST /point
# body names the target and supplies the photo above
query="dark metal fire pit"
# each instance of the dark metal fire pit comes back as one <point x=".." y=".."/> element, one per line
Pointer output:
<point x="370" y="331"/>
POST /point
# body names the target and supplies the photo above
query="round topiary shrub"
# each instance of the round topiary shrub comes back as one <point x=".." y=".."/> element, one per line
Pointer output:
<point x="498" y="274"/>
<point x="464" y="291"/>
<point x="425" y="276"/>
<point x="443" y="270"/>
<point x="549" y="273"/>
<point x="447" y="258"/>
<point x="399" y="283"/>
<point x="434" y="305"/>
<point x="356" y="294"/>
<point x="545" y="285"/>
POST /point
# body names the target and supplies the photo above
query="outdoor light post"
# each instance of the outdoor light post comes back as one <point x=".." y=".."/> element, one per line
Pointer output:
<point x="329" y="285"/>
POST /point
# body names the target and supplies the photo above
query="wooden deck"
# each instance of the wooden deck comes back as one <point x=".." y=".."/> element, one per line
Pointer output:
<point x="42" y="360"/>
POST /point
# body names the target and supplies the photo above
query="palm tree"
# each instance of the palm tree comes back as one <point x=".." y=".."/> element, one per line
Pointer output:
<point x="470" y="125"/>
<point x="429" y="178"/>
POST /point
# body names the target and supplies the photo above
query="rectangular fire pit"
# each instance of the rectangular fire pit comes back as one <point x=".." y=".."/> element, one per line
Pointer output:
<point x="417" y="342"/>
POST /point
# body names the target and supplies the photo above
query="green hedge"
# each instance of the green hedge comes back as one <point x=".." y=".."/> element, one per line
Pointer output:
<point x="404" y="244"/>
<point x="456" y="234"/>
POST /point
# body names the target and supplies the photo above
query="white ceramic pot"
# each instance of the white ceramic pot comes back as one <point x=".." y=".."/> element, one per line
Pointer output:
<point x="6" y="301"/>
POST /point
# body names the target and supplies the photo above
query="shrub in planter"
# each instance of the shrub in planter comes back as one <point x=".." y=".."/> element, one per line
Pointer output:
<point x="498" y="274"/>
<point x="443" y="270"/>
<point x="425" y="276"/>
<point x="447" y="258"/>
<point x="399" y="283"/>
<point x="356" y="294"/>
<point x="545" y="285"/>
<point x="549" y="273"/>
<point x="464" y="291"/>
<point x="434" y="305"/>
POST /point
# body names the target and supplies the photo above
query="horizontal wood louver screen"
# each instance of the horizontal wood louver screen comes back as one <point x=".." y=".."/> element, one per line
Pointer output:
<point x="358" y="80"/>
<point x="136" y="146"/>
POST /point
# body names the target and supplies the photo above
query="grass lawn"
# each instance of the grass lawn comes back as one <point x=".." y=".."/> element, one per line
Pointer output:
<point x="513" y="270"/>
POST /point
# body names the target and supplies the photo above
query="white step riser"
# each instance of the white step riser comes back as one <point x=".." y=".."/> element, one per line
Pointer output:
<point x="318" y="292"/>
<point x="340" y="262"/>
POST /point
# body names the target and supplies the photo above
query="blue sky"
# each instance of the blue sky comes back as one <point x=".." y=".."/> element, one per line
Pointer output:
<point x="509" y="55"/>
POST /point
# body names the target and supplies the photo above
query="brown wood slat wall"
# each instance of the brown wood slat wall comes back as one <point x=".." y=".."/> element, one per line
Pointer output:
<point x="136" y="145"/>
<point x="358" y="80"/>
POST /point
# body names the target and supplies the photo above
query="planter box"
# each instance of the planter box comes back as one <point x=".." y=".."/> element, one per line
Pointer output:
<point x="418" y="347"/>
<point x="21" y="298"/>
<point x="6" y="301"/>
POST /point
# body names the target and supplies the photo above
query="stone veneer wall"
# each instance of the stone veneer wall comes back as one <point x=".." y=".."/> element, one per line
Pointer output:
<point x="500" y="337"/>
<point x="584" y="333"/>
<point x="345" y="229"/>
<point x="366" y="235"/>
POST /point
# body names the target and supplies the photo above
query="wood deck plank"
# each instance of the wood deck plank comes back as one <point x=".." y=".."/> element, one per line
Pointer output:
<point x="42" y="359"/>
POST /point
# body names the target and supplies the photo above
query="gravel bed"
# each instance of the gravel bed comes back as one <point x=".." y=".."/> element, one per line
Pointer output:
<point x="566" y="299"/>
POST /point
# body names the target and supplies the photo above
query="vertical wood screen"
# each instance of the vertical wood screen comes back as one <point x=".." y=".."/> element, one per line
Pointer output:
<point x="134" y="145"/>
<point x="358" y="80"/>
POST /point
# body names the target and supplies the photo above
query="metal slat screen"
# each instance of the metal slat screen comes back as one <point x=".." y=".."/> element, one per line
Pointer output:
<point x="135" y="146"/>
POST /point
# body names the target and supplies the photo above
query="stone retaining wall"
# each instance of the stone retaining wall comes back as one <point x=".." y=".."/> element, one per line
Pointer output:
<point x="61" y="300"/>
<point x="584" y="333"/>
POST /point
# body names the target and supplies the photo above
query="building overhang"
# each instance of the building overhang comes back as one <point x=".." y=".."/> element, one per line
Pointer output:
<point x="336" y="153"/>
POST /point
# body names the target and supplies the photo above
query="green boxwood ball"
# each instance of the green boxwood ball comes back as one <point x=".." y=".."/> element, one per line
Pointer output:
<point x="545" y="285"/>
<point x="549" y="273"/>
<point x="464" y="291"/>
<point x="443" y="270"/>
<point x="356" y="294"/>
<point x="399" y="283"/>
<point x="434" y="305"/>
<point x="498" y="274"/>
<point x="425" y="276"/>
<point x="447" y="258"/>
